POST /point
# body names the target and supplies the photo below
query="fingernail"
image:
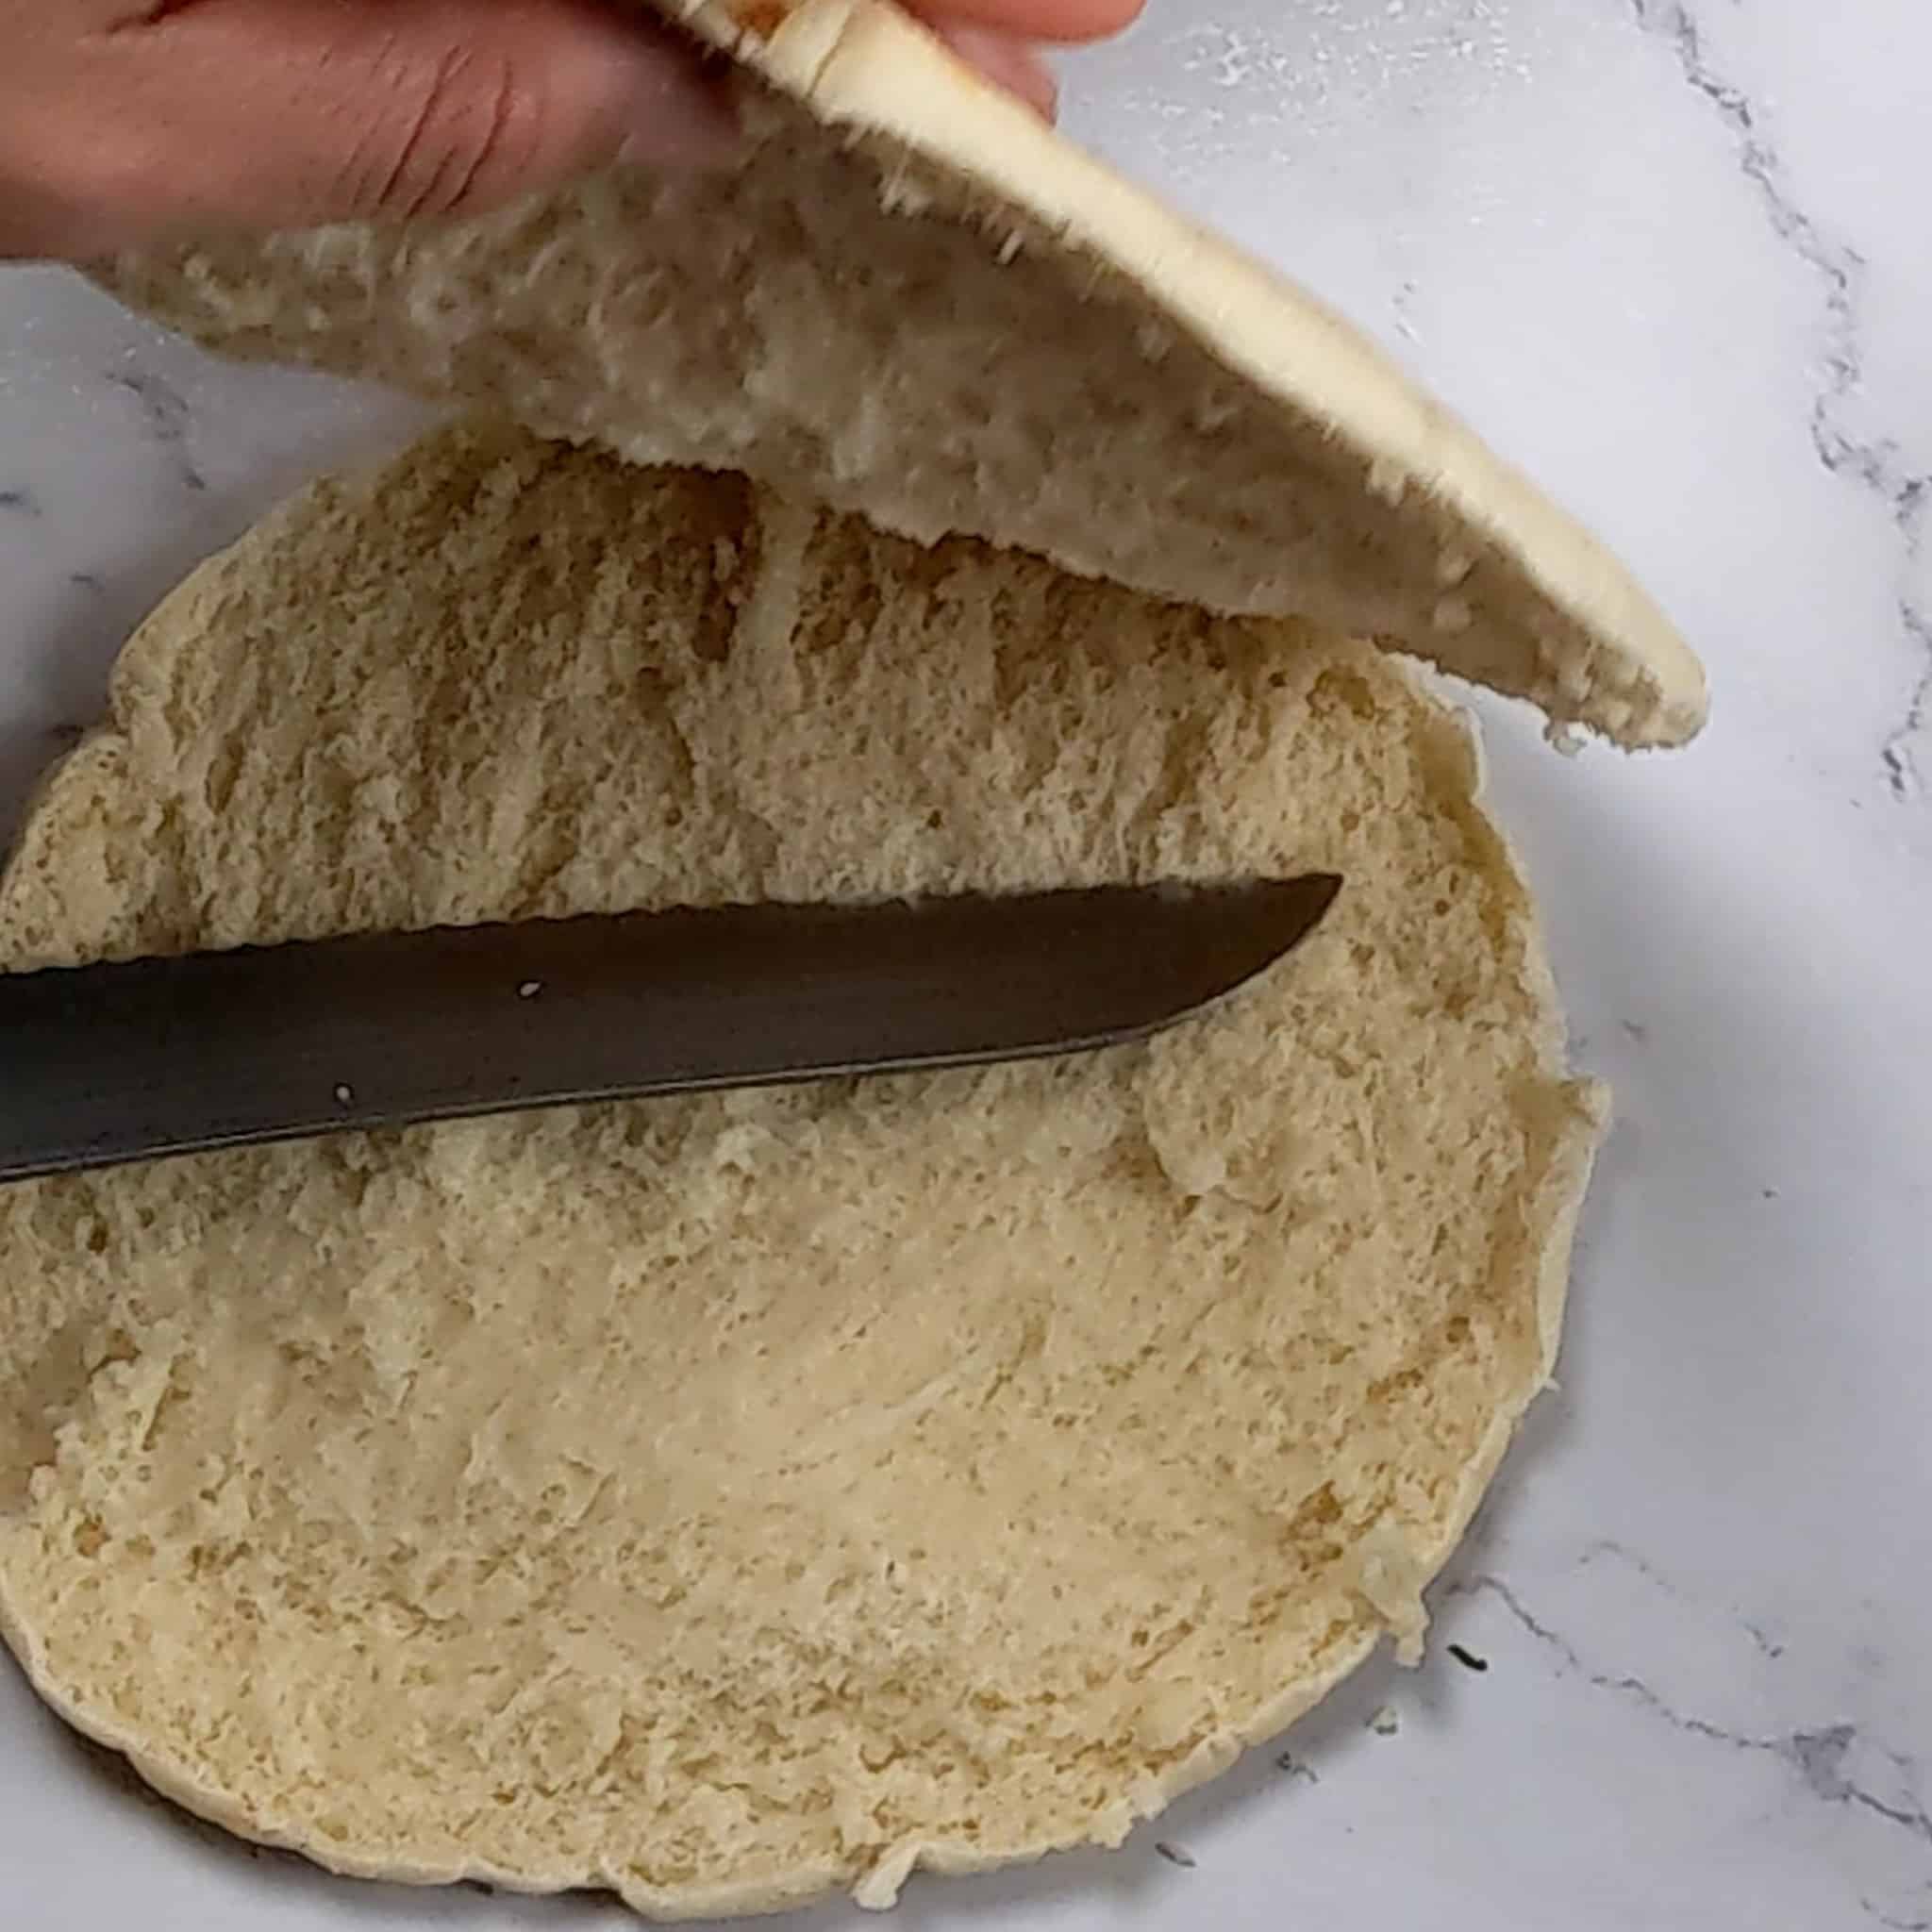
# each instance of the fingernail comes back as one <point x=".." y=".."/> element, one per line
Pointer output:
<point x="1013" y="64"/>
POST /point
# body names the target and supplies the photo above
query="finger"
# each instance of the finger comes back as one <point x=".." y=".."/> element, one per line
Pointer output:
<point x="1033" y="20"/>
<point x="293" y="113"/>
<point x="1013" y="64"/>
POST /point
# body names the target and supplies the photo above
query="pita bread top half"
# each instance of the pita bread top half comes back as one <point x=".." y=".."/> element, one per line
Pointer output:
<point x="913" y="300"/>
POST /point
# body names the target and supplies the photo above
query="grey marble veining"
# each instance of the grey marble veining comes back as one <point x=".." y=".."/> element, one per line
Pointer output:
<point x="1894" y="465"/>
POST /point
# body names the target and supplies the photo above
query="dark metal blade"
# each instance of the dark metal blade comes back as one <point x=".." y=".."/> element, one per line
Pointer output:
<point x="103" y="1064"/>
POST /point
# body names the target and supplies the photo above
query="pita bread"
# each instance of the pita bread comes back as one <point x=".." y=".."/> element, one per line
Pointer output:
<point x="728" y="1499"/>
<point x="916" y="302"/>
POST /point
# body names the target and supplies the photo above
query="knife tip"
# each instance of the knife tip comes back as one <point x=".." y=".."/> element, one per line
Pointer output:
<point x="1286" y="910"/>
<point x="1255" y="924"/>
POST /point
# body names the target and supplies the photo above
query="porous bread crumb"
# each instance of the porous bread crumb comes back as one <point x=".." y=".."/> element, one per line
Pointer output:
<point x="914" y="301"/>
<point x="725" y="1499"/>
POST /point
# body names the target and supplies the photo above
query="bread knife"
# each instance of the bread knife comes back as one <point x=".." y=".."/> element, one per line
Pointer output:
<point x="127" y="1061"/>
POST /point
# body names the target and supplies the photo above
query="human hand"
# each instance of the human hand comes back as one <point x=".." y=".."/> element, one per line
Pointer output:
<point x="124" y="123"/>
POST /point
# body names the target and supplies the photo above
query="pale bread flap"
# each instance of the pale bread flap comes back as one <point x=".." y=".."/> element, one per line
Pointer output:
<point x="916" y="301"/>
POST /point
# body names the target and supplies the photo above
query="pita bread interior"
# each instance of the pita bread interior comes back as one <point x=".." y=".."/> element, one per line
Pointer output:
<point x="727" y="1499"/>
<point x="915" y="301"/>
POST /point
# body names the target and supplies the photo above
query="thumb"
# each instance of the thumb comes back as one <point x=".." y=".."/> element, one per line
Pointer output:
<point x="293" y="113"/>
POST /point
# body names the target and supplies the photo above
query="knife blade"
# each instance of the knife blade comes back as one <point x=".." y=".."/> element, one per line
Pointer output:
<point x="118" y="1062"/>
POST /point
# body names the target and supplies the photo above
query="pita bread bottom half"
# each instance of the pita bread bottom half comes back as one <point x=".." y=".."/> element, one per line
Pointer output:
<point x="727" y="1500"/>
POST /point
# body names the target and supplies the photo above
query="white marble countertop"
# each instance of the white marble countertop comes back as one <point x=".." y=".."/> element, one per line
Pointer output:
<point x="1673" y="258"/>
